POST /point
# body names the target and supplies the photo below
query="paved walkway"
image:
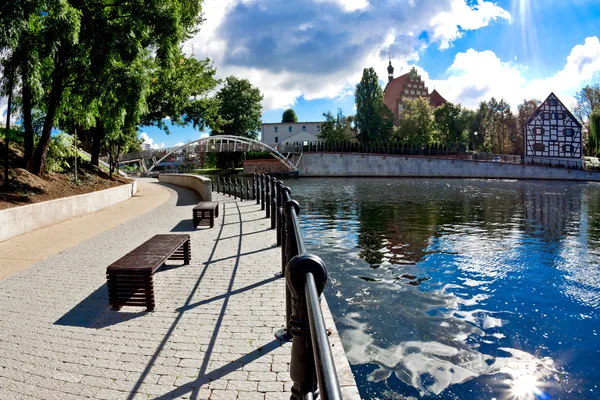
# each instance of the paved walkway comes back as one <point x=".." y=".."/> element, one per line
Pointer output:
<point x="211" y="336"/>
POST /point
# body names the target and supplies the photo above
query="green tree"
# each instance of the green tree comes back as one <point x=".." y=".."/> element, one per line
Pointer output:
<point x="417" y="125"/>
<point x="593" y="139"/>
<point x="524" y="111"/>
<point x="289" y="115"/>
<point x="374" y="120"/>
<point x="450" y="127"/>
<point x="239" y="112"/>
<point x="499" y="124"/>
<point x="337" y="128"/>
<point x="588" y="100"/>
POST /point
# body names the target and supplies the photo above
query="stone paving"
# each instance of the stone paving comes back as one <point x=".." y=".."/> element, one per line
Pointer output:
<point x="211" y="336"/>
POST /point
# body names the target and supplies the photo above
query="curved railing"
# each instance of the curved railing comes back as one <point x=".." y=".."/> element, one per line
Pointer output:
<point x="312" y="367"/>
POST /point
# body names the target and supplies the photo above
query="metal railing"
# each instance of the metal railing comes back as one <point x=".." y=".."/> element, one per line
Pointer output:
<point x="239" y="188"/>
<point x="312" y="367"/>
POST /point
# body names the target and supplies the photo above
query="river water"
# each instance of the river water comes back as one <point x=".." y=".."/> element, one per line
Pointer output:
<point x="461" y="289"/>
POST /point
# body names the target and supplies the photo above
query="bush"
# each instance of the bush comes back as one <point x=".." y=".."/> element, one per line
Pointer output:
<point x="60" y="153"/>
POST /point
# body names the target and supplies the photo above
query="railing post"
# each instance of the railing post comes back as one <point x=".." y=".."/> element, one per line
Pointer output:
<point x="241" y="184"/>
<point x="217" y="184"/>
<point x="285" y="196"/>
<point x="302" y="366"/>
<point x="268" y="197"/>
<point x="262" y="191"/>
<point x="291" y="250"/>
<point x="248" y="195"/>
<point x="255" y="188"/>
<point x="228" y="187"/>
<point x="273" y="204"/>
<point x="279" y="211"/>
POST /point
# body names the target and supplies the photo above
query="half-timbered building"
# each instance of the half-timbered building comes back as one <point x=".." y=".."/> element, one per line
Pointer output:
<point x="552" y="135"/>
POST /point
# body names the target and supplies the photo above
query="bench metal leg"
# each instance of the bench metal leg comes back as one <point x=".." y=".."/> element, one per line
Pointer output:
<point x="149" y="291"/>
<point x="186" y="252"/>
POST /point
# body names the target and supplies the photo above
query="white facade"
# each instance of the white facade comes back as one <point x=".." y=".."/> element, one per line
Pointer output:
<point x="274" y="134"/>
<point x="553" y="135"/>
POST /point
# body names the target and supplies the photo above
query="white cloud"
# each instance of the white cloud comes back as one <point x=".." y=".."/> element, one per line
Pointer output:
<point x="449" y="25"/>
<point x="178" y="144"/>
<point x="148" y="142"/>
<point x="475" y="76"/>
<point x="203" y="135"/>
<point x="318" y="48"/>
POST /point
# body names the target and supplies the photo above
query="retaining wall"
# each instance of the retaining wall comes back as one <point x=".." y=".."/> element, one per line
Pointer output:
<point x="337" y="164"/>
<point x="201" y="184"/>
<point x="20" y="220"/>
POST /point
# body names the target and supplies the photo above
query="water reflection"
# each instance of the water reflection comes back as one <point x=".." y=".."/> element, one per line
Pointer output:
<point x="461" y="289"/>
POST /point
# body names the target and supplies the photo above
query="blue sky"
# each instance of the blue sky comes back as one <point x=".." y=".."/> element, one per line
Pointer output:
<point x="309" y="55"/>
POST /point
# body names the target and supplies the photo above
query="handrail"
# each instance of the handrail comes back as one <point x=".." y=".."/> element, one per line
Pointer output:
<point x="312" y="367"/>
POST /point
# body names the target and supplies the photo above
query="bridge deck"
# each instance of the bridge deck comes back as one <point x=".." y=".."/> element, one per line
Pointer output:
<point x="211" y="335"/>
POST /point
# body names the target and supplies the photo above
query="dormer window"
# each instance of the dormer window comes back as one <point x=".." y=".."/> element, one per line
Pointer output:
<point x="304" y="127"/>
<point x="569" y="132"/>
<point x="318" y="128"/>
<point x="289" y="129"/>
<point x="276" y="128"/>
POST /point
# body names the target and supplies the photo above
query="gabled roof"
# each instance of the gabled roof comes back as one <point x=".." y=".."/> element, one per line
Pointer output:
<point x="393" y="90"/>
<point x="551" y="96"/>
<point x="436" y="99"/>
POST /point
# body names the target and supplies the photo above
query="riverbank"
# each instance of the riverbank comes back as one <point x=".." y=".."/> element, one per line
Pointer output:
<point x="376" y="165"/>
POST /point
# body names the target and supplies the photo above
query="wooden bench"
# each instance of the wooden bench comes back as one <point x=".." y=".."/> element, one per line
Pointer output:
<point x="205" y="209"/>
<point x="130" y="277"/>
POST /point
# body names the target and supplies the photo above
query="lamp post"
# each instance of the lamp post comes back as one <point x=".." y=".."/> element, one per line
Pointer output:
<point x="474" y="139"/>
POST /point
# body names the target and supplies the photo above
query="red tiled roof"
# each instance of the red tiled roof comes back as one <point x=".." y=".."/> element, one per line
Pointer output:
<point x="436" y="99"/>
<point x="393" y="91"/>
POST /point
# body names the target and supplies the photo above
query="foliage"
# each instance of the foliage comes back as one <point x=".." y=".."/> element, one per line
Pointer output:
<point x="499" y="124"/>
<point x="588" y="100"/>
<point x="450" y="127"/>
<point x="417" y="125"/>
<point x="69" y="55"/>
<point x="60" y="153"/>
<point x="593" y="140"/>
<point x="374" y="120"/>
<point x="338" y="128"/>
<point x="524" y="111"/>
<point x="289" y="115"/>
<point x="239" y="112"/>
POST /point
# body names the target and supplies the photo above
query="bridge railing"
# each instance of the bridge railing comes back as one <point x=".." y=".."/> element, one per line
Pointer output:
<point x="312" y="367"/>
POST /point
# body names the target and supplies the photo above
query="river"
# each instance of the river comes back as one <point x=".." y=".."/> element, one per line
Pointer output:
<point x="461" y="289"/>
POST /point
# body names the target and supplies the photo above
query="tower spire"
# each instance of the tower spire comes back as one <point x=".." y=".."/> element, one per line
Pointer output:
<point x="390" y="69"/>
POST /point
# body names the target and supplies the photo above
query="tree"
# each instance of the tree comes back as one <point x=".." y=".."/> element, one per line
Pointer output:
<point x="337" y="128"/>
<point x="289" y="115"/>
<point x="374" y="120"/>
<point x="593" y="140"/>
<point x="588" y="100"/>
<point x="71" y="48"/>
<point x="450" y="127"/>
<point x="499" y="127"/>
<point x="417" y="124"/>
<point x="239" y="112"/>
<point x="524" y="111"/>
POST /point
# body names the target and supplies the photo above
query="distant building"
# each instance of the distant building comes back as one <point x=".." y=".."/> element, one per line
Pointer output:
<point x="274" y="134"/>
<point x="407" y="86"/>
<point x="552" y="135"/>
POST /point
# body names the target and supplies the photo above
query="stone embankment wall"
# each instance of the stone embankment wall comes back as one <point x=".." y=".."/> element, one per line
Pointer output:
<point x="336" y="164"/>
<point x="201" y="184"/>
<point x="20" y="220"/>
<point x="264" y="166"/>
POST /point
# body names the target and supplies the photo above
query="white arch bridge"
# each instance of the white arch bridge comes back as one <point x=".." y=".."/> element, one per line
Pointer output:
<point x="149" y="159"/>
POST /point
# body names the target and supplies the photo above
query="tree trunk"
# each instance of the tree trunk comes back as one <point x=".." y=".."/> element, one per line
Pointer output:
<point x="39" y="159"/>
<point x="7" y="130"/>
<point x="27" y="122"/>
<point x="97" y="136"/>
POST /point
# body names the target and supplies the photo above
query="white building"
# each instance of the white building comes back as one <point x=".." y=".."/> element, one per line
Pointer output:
<point x="552" y="135"/>
<point x="275" y="134"/>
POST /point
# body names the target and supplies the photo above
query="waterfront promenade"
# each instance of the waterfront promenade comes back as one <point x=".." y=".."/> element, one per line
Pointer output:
<point x="211" y="336"/>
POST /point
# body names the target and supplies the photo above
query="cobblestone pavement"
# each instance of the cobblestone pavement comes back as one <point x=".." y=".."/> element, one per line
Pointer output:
<point x="211" y="336"/>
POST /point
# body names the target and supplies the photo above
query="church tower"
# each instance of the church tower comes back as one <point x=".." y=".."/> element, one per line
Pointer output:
<point x="390" y="71"/>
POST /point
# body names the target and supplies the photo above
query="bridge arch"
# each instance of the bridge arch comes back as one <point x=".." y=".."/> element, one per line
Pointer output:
<point x="220" y="140"/>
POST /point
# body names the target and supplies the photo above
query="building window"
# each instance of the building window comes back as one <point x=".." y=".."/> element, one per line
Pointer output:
<point x="539" y="131"/>
<point x="567" y="148"/>
<point x="546" y="116"/>
<point x="276" y="128"/>
<point x="406" y="91"/>
<point x="304" y="127"/>
<point x="412" y="92"/>
<point x="539" y="147"/>
<point x="289" y="129"/>
<point x="569" y="132"/>
<point x="318" y="128"/>
<point x="552" y="102"/>
<point x="554" y="116"/>
<point x="276" y="139"/>
<point x="561" y="115"/>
